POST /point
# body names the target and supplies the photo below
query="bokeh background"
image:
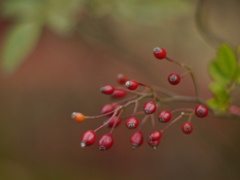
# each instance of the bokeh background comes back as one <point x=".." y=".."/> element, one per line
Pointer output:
<point x="83" y="47"/>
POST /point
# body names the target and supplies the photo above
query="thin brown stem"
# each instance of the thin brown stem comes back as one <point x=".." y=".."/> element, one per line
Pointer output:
<point x="190" y="71"/>
<point x="143" y="121"/>
<point x="153" y="121"/>
<point x="175" y="120"/>
<point x="182" y="109"/>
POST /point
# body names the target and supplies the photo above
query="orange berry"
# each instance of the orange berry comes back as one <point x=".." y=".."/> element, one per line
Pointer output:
<point x="79" y="117"/>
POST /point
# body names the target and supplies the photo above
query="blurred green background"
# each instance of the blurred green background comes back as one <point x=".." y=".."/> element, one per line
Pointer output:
<point x="55" y="55"/>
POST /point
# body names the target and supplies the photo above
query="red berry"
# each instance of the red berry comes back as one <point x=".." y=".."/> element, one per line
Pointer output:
<point x="154" y="136"/>
<point x="136" y="139"/>
<point x="187" y="128"/>
<point x="131" y="84"/>
<point x="201" y="111"/>
<point x="131" y="123"/>
<point x="107" y="108"/>
<point x="121" y="79"/>
<point x="105" y="142"/>
<point x="174" y="78"/>
<point x="159" y="53"/>
<point x="115" y="121"/>
<point x="154" y="144"/>
<point x="149" y="107"/>
<point x="164" y="116"/>
<point x="88" y="138"/>
<point x="118" y="93"/>
<point x="108" y="89"/>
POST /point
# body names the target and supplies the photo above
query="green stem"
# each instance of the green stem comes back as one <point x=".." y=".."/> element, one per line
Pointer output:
<point x="191" y="73"/>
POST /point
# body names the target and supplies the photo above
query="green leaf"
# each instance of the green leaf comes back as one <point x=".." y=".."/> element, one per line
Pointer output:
<point x="237" y="75"/>
<point x="219" y="93"/>
<point x="226" y="61"/>
<point x="216" y="74"/>
<point x="238" y="49"/>
<point x="213" y="103"/>
<point x="19" y="42"/>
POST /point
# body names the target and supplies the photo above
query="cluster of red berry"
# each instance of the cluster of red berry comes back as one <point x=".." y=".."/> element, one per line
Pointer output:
<point x="114" y="111"/>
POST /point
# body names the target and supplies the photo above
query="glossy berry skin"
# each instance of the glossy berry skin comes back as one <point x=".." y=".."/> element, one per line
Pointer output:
<point x="118" y="93"/>
<point x="79" y="117"/>
<point x="174" y="78"/>
<point x="107" y="108"/>
<point x="149" y="107"/>
<point x="201" y="111"/>
<point x="121" y="79"/>
<point x="105" y="142"/>
<point x="164" y="116"/>
<point x="159" y="53"/>
<point x="154" y="136"/>
<point x="154" y="144"/>
<point x="187" y="128"/>
<point x="115" y="121"/>
<point x="88" y="138"/>
<point x="131" y="84"/>
<point x="108" y="89"/>
<point x="136" y="139"/>
<point x="131" y="123"/>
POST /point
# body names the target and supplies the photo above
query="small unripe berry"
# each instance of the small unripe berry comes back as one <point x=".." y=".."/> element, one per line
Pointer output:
<point x="107" y="108"/>
<point x="154" y="136"/>
<point x="118" y="93"/>
<point x="88" y="138"/>
<point x="159" y="53"/>
<point x="131" y="123"/>
<point x="174" y="78"/>
<point x="164" y="116"/>
<point x="121" y="79"/>
<point x="154" y="144"/>
<point x="149" y="107"/>
<point x="105" y="142"/>
<point x="79" y="117"/>
<point x="187" y="128"/>
<point x="115" y="121"/>
<point x="201" y="111"/>
<point x="108" y="89"/>
<point x="131" y="84"/>
<point x="136" y="139"/>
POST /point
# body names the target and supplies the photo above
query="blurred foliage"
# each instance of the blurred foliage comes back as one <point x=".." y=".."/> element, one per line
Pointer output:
<point x="62" y="17"/>
<point x="225" y="73"/>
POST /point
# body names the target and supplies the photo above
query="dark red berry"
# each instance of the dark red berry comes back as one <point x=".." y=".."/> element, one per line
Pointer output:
<point x="118" y="93"/>
<point x="154" y="144"/>
<point x="88" y="138"/>
<point x="131" y="84"/>
<point x="164" y="116"/>
<point x="108" y="89"/>
<point x="159" y="53"/>
<point x="174" y="78"/>
<point x="154" y="136"/>
<point x="131" y="123"/>
<point x="201" y="111"/>
<point x="187" y="128"/>
<point x="136" y="139"/>
<point x="105" y="142"/>
<point x="116" y="121"/>
<point x="121" y="79"/>
<point x="107" y="108"/>
<point x="149" y="107"/>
